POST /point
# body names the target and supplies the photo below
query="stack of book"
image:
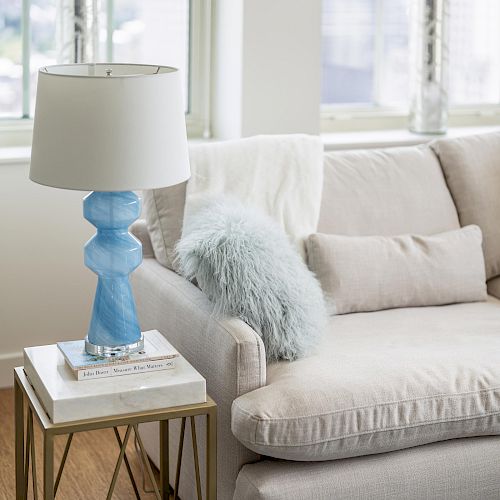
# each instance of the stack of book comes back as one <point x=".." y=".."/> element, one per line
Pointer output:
<point x="158" y="354"/>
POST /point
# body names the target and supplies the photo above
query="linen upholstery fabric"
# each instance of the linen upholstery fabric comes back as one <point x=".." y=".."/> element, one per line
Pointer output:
<point x="140" y="230"/>
<point x="385" y="192"/>
<point x="164" y="211"/>
<point x="472" y="169"/>
<point x="381" y="381"/>
<point x="459" y="469"/>
<point x="228" y="353"/>
<point x="370" y="273"/>
<point x="494" y="287"/>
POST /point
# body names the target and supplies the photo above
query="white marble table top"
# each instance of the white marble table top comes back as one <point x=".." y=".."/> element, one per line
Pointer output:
<point x="66" y="399"/>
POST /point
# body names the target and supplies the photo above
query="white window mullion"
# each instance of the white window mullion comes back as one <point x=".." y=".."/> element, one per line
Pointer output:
<point x="26" y="49"/>
<point x="378" y="52"/>
<point x="197" y="118"/>
<point x="206" y="59"/>
<point x="110" y="13"/>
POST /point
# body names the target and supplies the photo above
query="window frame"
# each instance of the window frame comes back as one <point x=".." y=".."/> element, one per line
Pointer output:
<point x="362" y="118"/>
<point x="200" y="51"/>
<point x="18" y="132"/>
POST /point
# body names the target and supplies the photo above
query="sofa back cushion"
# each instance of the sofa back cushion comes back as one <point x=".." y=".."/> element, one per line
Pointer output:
<point x="385" y="192"/>
<point x="472" y="169"/>
<point x="164" y="213"/>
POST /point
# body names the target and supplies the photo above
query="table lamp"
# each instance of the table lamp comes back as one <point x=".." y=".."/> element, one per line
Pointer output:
<point x="110" y="129"/>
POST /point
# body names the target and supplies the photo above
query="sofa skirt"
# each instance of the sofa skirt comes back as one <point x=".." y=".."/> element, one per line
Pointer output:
<point x="458" y="469"/>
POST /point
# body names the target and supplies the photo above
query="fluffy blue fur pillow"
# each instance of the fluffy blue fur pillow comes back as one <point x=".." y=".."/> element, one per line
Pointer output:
<point x="247" y="267"/>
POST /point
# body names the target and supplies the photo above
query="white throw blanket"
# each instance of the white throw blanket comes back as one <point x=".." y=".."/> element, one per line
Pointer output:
<point x="282" y="175"/>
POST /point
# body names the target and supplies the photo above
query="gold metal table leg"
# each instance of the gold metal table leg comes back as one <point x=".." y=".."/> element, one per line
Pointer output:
<point x="63" y="462"/>
<point x="212" y="454"/>
<point x="48" y="466"/>
<point x="33" y="454"/>
<point x="179" y="458"/>
<point x="148" y="465"/>
<point x="195" y="457"/>
<point x="142" y="462"/>
<point x="19" y="431"/>
<point x="27" y="460"/>
<point x="119" y="462"/>
<point x="164" y="460"/>
<point x="127" y="465"/>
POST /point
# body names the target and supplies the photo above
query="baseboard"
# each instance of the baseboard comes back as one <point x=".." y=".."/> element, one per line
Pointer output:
<point x="8" y="362"/>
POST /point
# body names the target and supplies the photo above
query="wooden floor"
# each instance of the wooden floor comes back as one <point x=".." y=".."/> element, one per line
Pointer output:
<point x="89" y="467"/>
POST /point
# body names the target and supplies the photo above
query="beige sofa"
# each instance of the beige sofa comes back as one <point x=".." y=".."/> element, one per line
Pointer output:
<point x="397" y="404"/>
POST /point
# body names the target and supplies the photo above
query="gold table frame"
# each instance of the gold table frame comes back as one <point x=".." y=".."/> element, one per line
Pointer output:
<point x="25" y="443"/>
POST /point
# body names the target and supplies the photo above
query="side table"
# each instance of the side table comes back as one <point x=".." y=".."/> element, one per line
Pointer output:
<point x="25" y="444"/>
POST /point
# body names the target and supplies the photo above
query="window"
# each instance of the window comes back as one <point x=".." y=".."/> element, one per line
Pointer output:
<point x="474" y="55"/>
<point x="365" y="52"/>
<point x="170" y="32"/>
<point x="365" y="55"/>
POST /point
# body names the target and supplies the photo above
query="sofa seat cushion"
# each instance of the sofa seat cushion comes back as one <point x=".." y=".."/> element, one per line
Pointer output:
<point x="380" y="382"/>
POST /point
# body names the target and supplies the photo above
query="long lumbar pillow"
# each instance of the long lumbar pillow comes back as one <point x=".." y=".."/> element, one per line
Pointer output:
<point x="370" y="273"/>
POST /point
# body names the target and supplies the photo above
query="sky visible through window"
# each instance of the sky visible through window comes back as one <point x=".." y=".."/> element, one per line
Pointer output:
<point x="365" y="52"/>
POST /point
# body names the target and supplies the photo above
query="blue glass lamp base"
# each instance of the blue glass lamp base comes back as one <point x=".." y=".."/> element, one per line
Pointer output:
<point x="113" y="253"/>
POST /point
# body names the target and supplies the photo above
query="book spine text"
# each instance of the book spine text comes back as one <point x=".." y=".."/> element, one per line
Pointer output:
<point x="125" y="369"/>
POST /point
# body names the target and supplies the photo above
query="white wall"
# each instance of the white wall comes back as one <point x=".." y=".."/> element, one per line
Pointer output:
<point x="267" y="67"/>
<point x="46" y="292"/>
<point x="227" y="34"/>
<point x="281" y="66"/>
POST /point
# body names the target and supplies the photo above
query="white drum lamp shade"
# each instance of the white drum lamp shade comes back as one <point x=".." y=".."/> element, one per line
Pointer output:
<point x="109" y="127"/>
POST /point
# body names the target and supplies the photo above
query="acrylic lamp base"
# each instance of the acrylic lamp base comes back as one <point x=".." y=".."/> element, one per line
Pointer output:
<point x="114" y="351"/>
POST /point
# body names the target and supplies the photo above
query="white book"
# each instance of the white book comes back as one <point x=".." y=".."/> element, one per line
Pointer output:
<point x="124" y="369"/>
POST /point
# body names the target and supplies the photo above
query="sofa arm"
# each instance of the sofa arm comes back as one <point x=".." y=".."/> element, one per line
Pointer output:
<point x="182" y="312"/>
<point x="228" y="353"/>
<point x="140" y="230"/>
